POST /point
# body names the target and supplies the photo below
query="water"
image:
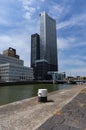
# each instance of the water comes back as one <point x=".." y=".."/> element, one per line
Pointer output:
<point x="10" y="94"/>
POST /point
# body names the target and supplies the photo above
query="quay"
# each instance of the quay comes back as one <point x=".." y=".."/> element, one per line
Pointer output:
<point x="71" y="117"/>
<point x="2" y="84"/>
<point x="29" y="114"/>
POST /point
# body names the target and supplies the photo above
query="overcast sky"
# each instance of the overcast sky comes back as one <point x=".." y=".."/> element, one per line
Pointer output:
<point x="20" y="18"/>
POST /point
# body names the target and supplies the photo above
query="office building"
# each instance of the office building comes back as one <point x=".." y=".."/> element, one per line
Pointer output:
<point x="57" y="75"/>
<point x="35" y="48"/>
<point x="44" y="51"/>
<point x="48" y="41"/>
<point x="12" y="73"/>
<point x="8" y="59"/>
<point x="12" y="69"/>
<point x="41" y="68"/>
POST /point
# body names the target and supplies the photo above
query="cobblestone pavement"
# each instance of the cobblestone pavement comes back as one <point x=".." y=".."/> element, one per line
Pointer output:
<point x="71" y="117"/>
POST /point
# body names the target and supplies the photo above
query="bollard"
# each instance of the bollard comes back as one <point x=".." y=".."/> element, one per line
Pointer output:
<point x="42" y="95"/>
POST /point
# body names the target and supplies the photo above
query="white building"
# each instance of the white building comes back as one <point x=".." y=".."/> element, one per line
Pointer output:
<point x="8" y="59"/>
<point x="57" y="75"/>
<point x="11" y="72"/>
<point x="13" y="69"/>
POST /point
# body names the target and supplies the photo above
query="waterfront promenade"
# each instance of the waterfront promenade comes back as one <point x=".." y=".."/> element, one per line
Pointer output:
<point x="29" y="114"/>
<point x="71" y="117"/>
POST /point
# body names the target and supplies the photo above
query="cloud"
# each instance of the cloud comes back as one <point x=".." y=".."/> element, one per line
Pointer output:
<point x="77" y="71"/>
<point x="74" y="20"/>
<point x="28" y="8"/>
<point x="70" y="61"/>
<point x="57" y="10"/>
<point x="4" y="16"/>
<point x="19" y="42"/>
<point x="29" y="13"/>
<point x="69" y="43"/>
<point x="65" y="43"/>
<point x="26" y="2"/>
<point x="72" y="64"/>
<point x="10" y="14"/>
<point x="3" y="21"/>
<point x="15" y="41"/>
<point x="42" y="0"/>
<point x="79" y="57"/>
<point x="4" y="39"/>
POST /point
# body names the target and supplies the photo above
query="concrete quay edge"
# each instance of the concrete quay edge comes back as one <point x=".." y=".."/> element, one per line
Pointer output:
<point x="71" y="117"/>
<point x="29" y="114"/>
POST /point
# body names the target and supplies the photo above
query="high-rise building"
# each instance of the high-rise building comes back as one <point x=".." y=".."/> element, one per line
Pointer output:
<point x="44" y="51"/>
<point x="35" y="48"/>
<point x="48" y="41"/>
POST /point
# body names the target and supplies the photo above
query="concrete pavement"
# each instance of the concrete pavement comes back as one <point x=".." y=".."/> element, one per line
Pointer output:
<point x="29" y="114"/>
<point x="71" y="117"/>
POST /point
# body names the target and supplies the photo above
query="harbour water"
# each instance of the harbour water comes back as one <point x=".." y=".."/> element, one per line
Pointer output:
<point x="10" y="94"/>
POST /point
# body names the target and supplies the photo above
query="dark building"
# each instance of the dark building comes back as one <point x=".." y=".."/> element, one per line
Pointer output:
<point x="35" y="49"/>
<point x="44" y="51"/>
<point x="41" y="69"/>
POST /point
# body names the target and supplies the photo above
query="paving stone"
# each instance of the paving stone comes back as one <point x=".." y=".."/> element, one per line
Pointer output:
<point x="64" y="127"/>
<point x="72" y="117"/>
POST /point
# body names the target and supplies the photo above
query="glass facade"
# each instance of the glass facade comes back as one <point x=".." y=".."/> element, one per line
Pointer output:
<point x="11" y="72"/>
<point x="48" y="41"/>
<point x="13" y="69"/>
<point x="7" y="59"/>
<point x="41" y="67"/>
<point x="44" y="48"/>
<point x="35" y="48"/>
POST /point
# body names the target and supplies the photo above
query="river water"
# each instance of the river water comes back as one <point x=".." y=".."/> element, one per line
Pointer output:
<point x="10" y="94"/>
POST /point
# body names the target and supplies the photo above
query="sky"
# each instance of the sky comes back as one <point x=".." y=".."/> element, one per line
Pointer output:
<point x="20" y="18"/>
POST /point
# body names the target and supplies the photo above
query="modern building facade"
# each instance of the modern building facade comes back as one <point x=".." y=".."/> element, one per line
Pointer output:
<point x="12" y="73"/>
<point x="12" y="69"/>
<point x="48" y="41"/>
<point x="44" y="51"/>
<point x="41" y="68"/>
<point x="57" y="75"/>
<point x="35" y="48"/>
<point x="8" y="59"/>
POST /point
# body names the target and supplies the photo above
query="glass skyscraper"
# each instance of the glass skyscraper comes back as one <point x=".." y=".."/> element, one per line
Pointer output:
<point x="48" y="41"/>
<point x="35" y="48"/>
<point x="44" y="48"/>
